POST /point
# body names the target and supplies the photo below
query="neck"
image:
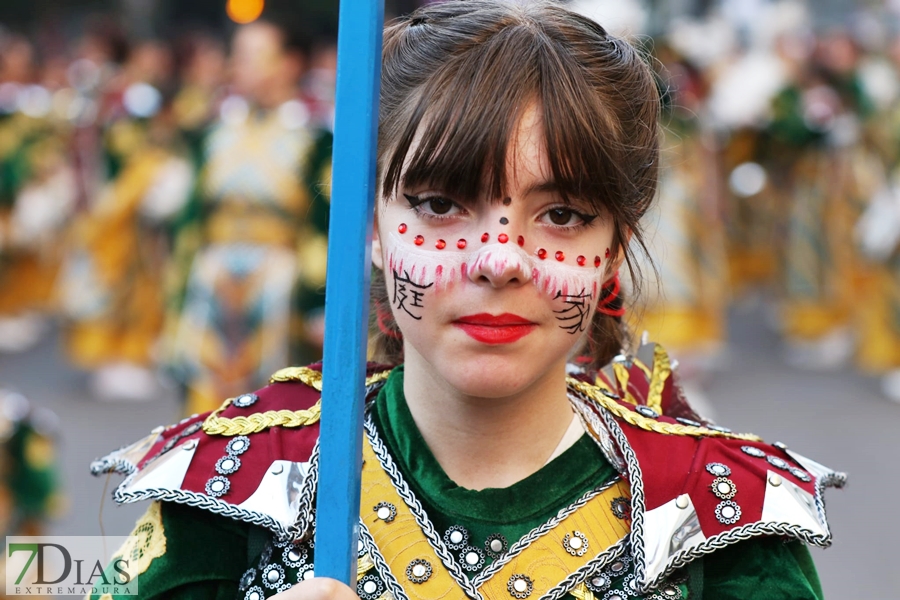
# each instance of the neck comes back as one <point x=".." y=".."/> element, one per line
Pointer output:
<point x="487" y="442"/>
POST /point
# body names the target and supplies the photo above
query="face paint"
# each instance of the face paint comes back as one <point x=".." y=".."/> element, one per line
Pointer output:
<point x="573" y="318"/>
<point x="408" y="295"/>
<point x="423" y="267"/>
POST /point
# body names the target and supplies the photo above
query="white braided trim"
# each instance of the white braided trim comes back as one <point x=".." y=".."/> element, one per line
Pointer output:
<point x="302" y="528"/>
<point x="108" y="464"/>
<point x="716" y="542"/>
<point x="543" y="529"/>
<point x="415" y="507"/>
<point x="204" y="502"/>
<point x="381" y="566"/>
<point x="581" y="575"/>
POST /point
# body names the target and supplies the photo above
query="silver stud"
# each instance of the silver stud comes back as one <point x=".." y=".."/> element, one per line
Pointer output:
<point x="385" y="511"/>
<point x="774" y="480"/>
<point x="419" y="570"/>
<point x="520" y="586"/>
<point x="683" y="501"/>
<point x="598" y="583"/>
<point x="620" y="507"/>
<point x="255" y="593"/>
<point x="800" y="474"/>
<point x="719" y="428"/>
<point x="190" y="445"/>
<point x="278" y="469"/>
<point x="777" y="462"/>
<point x="456" y="537"/>
<point x="718" y="469"/>
<point x="495" y="544"/>
<point x="618" y="567"/>
<point x="217" y="486"/>
<point x="723" y="488"/>
<point x="780" y="445"/>
<point x="238" y="445"/>
<point x="273" y="576"/>
<point x="228" y="464"/>
<point x="575" y="543"/>
<point x="472" y="558"/>
<point x="728" y="512"/>
<point x="646" y="411"/>
<point x="753" y="451"/>
<point x="689" y="422"/>
<point x="245" y="400"/>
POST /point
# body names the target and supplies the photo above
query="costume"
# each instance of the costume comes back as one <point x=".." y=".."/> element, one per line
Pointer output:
<point x="251" y="246"/>
<point x="605" y="519"/>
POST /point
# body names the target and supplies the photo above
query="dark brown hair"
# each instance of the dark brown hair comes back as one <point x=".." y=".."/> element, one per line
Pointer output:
<point x="457" y="77"/>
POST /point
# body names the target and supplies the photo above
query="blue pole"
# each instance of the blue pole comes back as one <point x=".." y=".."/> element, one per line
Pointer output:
<point x="347" y="287"/>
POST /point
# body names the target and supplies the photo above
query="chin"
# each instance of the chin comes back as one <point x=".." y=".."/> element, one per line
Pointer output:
<point x="487" y="375"/>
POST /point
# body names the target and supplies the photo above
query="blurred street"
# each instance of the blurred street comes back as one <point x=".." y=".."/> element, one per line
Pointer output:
<point x="837" y="418"/>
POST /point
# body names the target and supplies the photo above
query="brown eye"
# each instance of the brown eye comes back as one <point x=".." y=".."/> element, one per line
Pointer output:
<point x="560" y="216"/>
<point x="440" y="206"/>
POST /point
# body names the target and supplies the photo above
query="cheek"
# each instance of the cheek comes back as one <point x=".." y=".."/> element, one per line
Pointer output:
<point x="573" y="312"/>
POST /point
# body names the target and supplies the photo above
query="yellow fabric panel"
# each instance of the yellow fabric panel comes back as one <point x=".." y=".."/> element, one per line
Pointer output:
<point x="546" y="560"/>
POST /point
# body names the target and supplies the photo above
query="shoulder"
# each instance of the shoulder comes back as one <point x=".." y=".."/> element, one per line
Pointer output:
<point x="247" y="460"/>
<point x="698" y="487"/>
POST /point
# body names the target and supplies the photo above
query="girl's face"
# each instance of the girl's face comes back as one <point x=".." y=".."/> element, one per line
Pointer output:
<point x="492" y="294"/>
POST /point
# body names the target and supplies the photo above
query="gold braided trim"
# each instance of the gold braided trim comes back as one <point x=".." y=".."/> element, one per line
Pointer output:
<point x="303" y="374"/>
<point x="581" y="592"/>
<point x="662" y="368"/>
<point x="216" y="425"/>
<point x="622" y="376"/>
<point x="364" y="565"/>
<point x="244" y="425"/>
<point x="647" y="424"/>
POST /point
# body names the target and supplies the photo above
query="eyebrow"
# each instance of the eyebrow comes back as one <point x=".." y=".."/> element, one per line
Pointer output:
<point x="543" y="186"/>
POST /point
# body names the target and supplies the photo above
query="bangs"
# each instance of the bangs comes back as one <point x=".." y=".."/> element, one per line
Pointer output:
<point x="463" y="119"/>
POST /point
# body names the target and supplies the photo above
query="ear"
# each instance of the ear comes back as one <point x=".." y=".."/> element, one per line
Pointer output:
<point x="377" y="256"/>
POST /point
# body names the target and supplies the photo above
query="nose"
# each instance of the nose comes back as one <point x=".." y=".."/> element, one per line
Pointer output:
<point x="499" y="265"/>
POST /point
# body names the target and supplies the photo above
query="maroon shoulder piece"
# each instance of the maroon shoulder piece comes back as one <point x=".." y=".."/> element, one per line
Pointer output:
<point x="247" y="460"/>
<point x="697" y="487"/>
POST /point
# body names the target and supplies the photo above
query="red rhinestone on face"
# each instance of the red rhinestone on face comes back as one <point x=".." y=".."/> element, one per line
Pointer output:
<point x="560" y="256"/>
<point x="597" y="261"/>
<point x="502" y="238"/>
<point x="461" y="244"/>
<point x="485" y="237"/>
<point x="607" y="253"/>
<point x="402" y="228"/>
<point x="419" y="240"/>
<point x="580" y="260"/>
<point x="521" y="241"/>
<point x="440" y="244"/>
<point x="542" y="254"/>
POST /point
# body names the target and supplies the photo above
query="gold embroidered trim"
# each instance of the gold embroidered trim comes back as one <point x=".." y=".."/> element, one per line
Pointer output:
<point x="244" y="425"/>
<point x="647" y="424"/>
<point x="146" y="542"/>
<point x="662" y="368"/>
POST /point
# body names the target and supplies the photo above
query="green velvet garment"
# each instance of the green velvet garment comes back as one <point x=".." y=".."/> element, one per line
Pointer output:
<point x="757" y="569"/>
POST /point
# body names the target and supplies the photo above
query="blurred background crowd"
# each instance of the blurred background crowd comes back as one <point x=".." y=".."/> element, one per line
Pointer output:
<point x="165" y="177"/>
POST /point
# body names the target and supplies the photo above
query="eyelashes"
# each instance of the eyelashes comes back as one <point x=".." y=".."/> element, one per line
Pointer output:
<point x="558" y="217"/>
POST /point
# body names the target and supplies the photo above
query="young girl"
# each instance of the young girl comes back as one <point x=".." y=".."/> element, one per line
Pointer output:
<point x="518" y="150"/>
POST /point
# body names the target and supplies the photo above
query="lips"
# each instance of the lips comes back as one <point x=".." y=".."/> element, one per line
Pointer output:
<point x="495" y="329"/>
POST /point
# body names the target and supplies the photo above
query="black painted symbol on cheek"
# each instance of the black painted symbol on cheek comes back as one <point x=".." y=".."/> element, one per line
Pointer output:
<point x="504" y="221"/>
<point x="408" y="294"/>
<point x="507" y="201"/>
<point x="573" y="318"/>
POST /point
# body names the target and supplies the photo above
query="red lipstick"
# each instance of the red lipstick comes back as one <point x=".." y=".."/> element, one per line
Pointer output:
<point x="495" y="329"/>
